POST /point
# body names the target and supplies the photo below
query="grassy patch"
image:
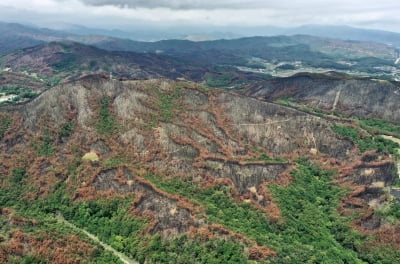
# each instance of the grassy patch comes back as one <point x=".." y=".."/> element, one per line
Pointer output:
<point x="106" y="123"/>
<point x="381" y="126"/>
<point x="67" y="129"/>
<point x="168" y="102"/>
<point x="260" y="155"/>
<point x="286" y="101"/>
<point x="44" y="147"/>
<point x="203" y="88"/>
<point x="219" y="80"/>
<point x="5" y="122"/>
<point x="391" y="210"/>
<point x="18" y="175"/>
<point x="394" y="210"/>
<point x="366" y="142"/>
<point x="264" y="157"/>
<point x="115" y="161"/>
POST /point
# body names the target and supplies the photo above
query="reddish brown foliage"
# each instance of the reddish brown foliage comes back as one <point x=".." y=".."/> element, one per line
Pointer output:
<point x="52" y="247"/>
<point x="260" y="253"/>
<point x="271" y="208"/>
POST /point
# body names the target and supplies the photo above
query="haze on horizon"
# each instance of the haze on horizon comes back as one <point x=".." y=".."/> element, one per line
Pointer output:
<point x="123" y="14"/>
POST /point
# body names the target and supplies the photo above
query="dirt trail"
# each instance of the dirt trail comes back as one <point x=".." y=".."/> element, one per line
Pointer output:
<point x="120" y="255"/>
<point x="394" y="139"/>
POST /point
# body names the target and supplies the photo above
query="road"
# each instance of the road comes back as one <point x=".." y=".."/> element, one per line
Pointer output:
<point x="120" y="255"/>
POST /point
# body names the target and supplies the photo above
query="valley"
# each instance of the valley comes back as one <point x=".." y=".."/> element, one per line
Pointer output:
<point x="289" y="68"/>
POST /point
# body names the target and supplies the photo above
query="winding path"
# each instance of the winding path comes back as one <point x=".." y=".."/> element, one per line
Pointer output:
<point x="120" y="255"/>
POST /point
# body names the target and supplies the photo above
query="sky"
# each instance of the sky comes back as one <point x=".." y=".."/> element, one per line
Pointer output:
<point x="120" y="14"/>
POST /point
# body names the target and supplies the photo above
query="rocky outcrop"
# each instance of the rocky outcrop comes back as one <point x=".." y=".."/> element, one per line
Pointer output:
<point x="246" y="176"/>
<point x="280" y="129"/>
<point x="166" y="211"/>
<point x="370" y="173"/>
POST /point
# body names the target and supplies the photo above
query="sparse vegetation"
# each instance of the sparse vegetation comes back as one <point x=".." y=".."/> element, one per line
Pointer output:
<point x="286" y="101"/>
<point x="264" y="157"/>
<point x="220" y="79"/>
<point x="394" y="210"/>
<point x="114" y="161"/>
<point x="67" y="63"/>
<point x="27" y="259"/>
<point x="390" y="210"/>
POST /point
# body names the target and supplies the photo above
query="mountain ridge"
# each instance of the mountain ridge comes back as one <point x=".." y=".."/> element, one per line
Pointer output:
<point x="195" y="159"/>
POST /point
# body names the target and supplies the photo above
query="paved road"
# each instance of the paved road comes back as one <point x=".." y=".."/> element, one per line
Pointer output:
<point x="120" y="255"/>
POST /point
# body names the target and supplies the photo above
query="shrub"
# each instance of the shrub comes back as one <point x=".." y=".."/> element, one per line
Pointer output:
<point x="67" y="129"/>
<point x="17" y="175"/>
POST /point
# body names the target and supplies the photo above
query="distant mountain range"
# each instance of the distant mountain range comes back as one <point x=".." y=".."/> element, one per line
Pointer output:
<point x="346" y="33"/>
<point x="152" y="33"/>
<point x="16" y="36"/>
<point x="80" y="33"/>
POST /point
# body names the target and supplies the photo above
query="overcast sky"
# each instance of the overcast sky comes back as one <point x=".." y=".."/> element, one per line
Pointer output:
<point x="383" y="14"/>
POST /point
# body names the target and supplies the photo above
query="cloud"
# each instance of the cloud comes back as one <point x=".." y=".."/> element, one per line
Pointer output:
<point x="177" y="4"/>
<point x="295" y="5"/>
<point x="206" y="13"/>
